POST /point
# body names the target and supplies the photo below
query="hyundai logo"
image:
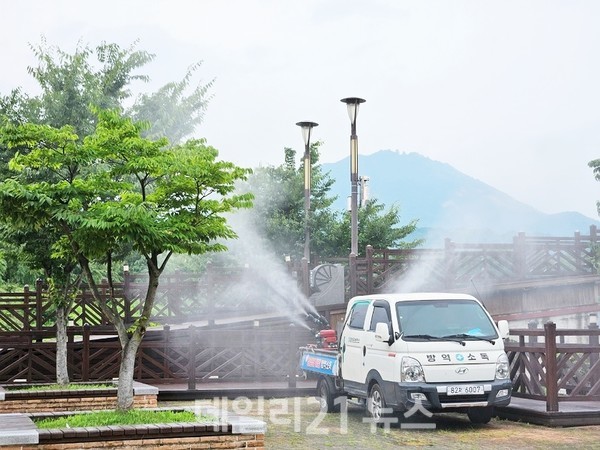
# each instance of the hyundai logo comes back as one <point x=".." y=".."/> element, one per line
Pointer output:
<point x="461" y="370"/>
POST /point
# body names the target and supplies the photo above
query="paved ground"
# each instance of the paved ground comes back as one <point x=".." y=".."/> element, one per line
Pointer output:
<point x="520" y="409"/>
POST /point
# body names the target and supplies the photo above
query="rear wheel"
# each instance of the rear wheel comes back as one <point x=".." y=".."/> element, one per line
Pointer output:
<point x="376" y="403"/>
<point x="480" y="415"/>
<point x="326" y="393"/>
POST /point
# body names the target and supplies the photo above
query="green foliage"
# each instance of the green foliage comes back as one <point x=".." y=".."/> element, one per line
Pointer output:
<point x="279" y="213"/>
<point x="169" y="111"/>
<point x="377" y="227"/>
<point x="69" y="84"/>
<point x="62" y="292"/>
<point x="87" y="184"/>
<point x="59" y="387"/>
<point x="148" y="197"/>
<point x="279" y="206"/>
<point x="130" y="417"/>
<point x="72" y="82"/>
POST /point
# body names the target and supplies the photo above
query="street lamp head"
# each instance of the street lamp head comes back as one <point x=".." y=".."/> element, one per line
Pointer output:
<point x="306" y="130"/>
<point x="352" y="103"/>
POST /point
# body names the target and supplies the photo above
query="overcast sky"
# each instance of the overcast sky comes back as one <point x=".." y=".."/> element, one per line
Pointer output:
<point x="505" y="91"/>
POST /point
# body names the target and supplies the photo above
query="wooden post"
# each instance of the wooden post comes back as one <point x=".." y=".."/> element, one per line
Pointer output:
<point x="522" y="355"/>
<point x="532" y="325"/>
<point x="192" y="358"/>
<point x="594" y="347"/>
<point x="551" y="367"/>
<point x="293" y="357"/>
<point x="39" y="286"/>
<point x="26" y="311"/>
<point x="370" y="286"/>
<point x="85" y="356"/>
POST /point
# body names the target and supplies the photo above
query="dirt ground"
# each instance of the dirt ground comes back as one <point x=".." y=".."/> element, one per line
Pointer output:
<point x="296" y="423"/>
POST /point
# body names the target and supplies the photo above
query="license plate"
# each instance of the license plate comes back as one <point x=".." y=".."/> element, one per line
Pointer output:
<point x="471" y="389"/>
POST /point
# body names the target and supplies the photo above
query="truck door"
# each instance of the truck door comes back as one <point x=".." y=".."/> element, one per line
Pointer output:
<point x="379" y="356"/>
<point x="352" y="345"/>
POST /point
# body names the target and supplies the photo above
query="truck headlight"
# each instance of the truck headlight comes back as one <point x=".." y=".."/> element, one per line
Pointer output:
<point x="411" y="370"/>
<point x="502" y="367"/>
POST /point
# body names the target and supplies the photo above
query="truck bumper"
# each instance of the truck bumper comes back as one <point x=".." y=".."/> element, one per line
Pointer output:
<point x="434" y="397"/>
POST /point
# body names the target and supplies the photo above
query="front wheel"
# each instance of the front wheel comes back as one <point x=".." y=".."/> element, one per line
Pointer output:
<point x="480" y="415"/>
<point x="376" y="403"/>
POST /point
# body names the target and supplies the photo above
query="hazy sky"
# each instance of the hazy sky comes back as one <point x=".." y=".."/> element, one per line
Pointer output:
<point x="505" y="91"/>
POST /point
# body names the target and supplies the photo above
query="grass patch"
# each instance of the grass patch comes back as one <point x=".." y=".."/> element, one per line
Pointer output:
<point x="58" y="387"/>
<point x="131" y="417"/>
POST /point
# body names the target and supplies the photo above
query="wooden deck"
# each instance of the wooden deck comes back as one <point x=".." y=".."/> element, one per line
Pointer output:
<point x="570" y="414"/>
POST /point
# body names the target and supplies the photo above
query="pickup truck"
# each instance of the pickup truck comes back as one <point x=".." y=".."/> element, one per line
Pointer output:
<point x="437" y="351"/>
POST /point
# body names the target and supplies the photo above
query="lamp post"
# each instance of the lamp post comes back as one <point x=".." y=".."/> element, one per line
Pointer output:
<point x="353" y="103"/>
<point x="306" y="132"/>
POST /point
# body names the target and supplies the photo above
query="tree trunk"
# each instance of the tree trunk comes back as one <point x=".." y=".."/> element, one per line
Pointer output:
<point x="62" y="369"/>
<point x="131" y="343"/>
<point x="126" y="373"/>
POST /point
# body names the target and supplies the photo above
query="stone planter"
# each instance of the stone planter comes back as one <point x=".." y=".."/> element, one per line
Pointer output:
<point x="14" y="401"/>
<point x="227" y="432"/>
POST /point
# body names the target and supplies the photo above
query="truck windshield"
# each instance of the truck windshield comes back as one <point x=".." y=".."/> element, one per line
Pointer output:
<point x="444" y="319"/>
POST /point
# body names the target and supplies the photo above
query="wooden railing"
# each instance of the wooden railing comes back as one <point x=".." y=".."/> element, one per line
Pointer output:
<point x="555" y="365"/>
<point x="458" y="265"/>
<point x="186" y="297"/>
<point x="549" y="365"/>
<point x="188" y="355"/>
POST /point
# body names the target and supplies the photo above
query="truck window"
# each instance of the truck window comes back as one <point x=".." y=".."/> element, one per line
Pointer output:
<point x="379" y="315"/>
<point x="441" y="318"/>
<point x="358" y="315"/>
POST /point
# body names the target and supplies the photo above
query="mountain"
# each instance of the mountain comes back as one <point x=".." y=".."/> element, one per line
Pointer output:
<point x="448" y="203"/>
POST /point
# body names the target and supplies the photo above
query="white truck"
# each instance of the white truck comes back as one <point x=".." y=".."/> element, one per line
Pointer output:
<point x="437" y="351"/>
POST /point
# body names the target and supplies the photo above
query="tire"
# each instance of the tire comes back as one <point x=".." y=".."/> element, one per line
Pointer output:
<point x="326" y="396"/>
<point x="480" y="416"/>
<point x="376" y="403"/>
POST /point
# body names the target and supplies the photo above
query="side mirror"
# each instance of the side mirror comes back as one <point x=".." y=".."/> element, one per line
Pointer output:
<point x="382" y="332"/>
<point x="503" y="328"/>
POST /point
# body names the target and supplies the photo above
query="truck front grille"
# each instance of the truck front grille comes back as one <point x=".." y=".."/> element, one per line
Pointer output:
<point x="448" y="399"/>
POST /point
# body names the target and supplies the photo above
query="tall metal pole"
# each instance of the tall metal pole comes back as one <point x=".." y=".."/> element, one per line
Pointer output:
<point x="306" y="132"/>
<point x="307" y="201"/>
<point x="353" y="103"/>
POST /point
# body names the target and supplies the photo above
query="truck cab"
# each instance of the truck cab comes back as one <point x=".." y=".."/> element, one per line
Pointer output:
<point x="438" y="351"/>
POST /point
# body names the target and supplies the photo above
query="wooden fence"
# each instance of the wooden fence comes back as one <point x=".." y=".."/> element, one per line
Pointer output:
<point x="545" y="364"/>
<point x="186" y="355"/>
<point x="555" y="365"/>
<point x="458" y="265"/>
<point x="187" y="297"/>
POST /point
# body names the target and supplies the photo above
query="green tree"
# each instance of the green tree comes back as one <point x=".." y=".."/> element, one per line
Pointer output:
<point x="25" y="226"/>
<point x="377" y="227"/>
<point x="70" y="83"/>
<point x="118" y="189"/>
<point x="171" y="111"/>
<point x="279" y="204"/>
<point x="279" y="213"/>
